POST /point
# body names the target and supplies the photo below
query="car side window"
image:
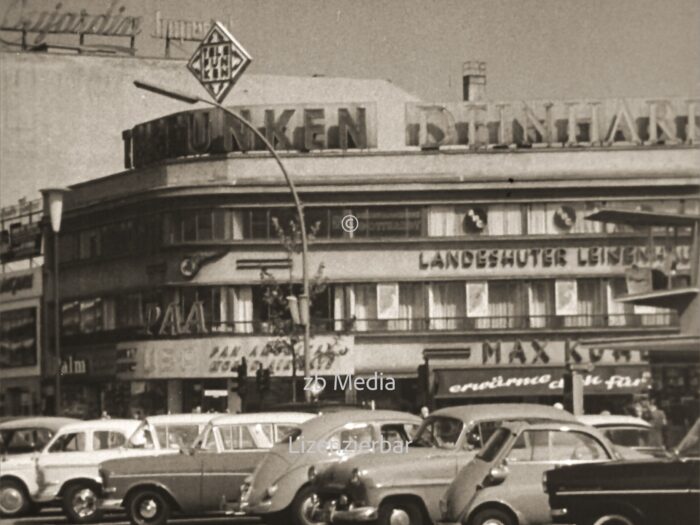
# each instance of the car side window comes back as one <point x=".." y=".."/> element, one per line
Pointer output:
<point x="395" y="434"/>
<point x="283" y="430"/>
<point x="236" y="437"/>
<point x="105" y="440"/>
<point x="575" y="446"/>
<point x="350" y="439"/>
<point x="209" y="441"/>
<point x="73" y="442"/>
<point x="530" y="446"/>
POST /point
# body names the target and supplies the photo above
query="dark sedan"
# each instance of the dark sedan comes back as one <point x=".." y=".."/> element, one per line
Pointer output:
<point x="654" y="492"/>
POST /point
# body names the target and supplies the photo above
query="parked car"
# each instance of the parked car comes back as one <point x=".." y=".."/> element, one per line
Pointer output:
<point x="58" y="472"/>
<point x="502" y="485"/>
<point x="280" y="491"/>
<point x="166" y="433"/>
<point x="633" y="437"/>
<point x="201" y="479"/>
<point x="29" y="434"/>
<point x="406" y="488"/>
<point x="650" y="492"/>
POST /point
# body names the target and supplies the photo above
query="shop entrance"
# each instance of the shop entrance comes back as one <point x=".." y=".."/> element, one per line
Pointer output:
<point x="205" y="395"/>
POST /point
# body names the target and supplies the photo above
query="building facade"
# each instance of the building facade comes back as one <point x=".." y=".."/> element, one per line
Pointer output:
<point x="471" y="254"/>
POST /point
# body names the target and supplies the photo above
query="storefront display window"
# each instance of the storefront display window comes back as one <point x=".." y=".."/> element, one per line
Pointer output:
<point x="18" y="345"/>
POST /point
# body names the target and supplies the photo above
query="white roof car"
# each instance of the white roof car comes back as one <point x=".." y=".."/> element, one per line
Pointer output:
<point x="168" y="433"/>
<point x="633" y="437"/>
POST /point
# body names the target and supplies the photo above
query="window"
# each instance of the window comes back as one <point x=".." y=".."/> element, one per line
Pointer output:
<point x="142" y="438"/>
<point x="531" y="445"/>
<point x="397" y="433"/>
<point x="440" y="431"/>
<point x="633" y="436"/>
<point x="176" y="436"/>
<point x="129" y="311"/>
<point x="494" y="444"/>
<point x="506" y="305"/>
<point x="365" y="305"/>
<point x="504" y="219"/>
<point x="90" y="245"/>
<point x="351" y="438"/>
<point x="589" y="304"/>
<point x="446" y="305"/>
<point x="284" y="431"/>
<point x="18" y="346"/>
<point x="443" y="221"/>
<point x="541" y="303"/>
<point x="22" y="440"/>
<point x="73" y="442"/>
<point x="619" y="314"/>
<point x="236" y="437"/>
<point x="105" y="440"/>
<point x="575" y="446"/>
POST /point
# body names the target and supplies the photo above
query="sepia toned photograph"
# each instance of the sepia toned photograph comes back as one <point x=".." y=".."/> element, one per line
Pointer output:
<point x="334" y="262"/>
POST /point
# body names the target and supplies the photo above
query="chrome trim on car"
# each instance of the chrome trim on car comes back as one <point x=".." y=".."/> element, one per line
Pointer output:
<point x="414" y="483"/>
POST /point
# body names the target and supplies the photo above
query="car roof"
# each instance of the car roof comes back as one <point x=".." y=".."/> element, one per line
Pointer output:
<point x="331" y="420"/>
<point x="598" y="420"/>
<point x="551" y="425"/>
<point x="505" y="411"/>
<point x="182" y="418"/>
<point x="129" y="425"/>
<point x="50" y="422"/>
<point x="263" y="417"/>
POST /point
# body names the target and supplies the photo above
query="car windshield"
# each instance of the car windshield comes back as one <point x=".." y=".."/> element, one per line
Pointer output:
<point x="689" y="447"/>
<point x="440" y="432"/>
<point x="633" y="437"/>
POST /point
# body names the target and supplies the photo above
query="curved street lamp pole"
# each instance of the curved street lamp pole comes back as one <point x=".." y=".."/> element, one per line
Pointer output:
<point x="304" y="299"/>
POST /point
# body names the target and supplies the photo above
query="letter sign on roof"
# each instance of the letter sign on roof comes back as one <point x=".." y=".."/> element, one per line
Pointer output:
<point x="218" y="61"/>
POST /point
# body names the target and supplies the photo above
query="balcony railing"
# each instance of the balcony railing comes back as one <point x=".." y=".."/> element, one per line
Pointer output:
<point x="435" y="324"/>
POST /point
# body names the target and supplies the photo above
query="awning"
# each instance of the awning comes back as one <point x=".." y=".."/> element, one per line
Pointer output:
<point x="648" y="343"/>
<point x="670" y="298"/>
<point x="643" y="218"/>
<point x="537" y="381"/>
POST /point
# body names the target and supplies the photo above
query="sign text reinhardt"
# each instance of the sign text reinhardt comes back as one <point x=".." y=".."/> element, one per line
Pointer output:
<point x="211" y="131"/>
<point x="611" y="122"/>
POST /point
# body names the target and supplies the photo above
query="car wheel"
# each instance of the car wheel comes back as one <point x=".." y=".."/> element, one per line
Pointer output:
<point x="148" y="507"/>
<point x="492" y="517"/>
<point x="302" y="505"/>
<point x="400" y="513"/>
<point x="14" y="500"/>
<point x="612" y="518"/>
<point x="80" y="504"/>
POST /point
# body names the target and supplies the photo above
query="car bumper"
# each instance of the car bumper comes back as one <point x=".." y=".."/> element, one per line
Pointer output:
<point x="330" y="514"/>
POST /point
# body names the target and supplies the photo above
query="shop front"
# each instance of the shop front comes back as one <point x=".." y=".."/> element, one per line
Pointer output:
<point x="532" y="370"/>
<point x="186" y="375"/>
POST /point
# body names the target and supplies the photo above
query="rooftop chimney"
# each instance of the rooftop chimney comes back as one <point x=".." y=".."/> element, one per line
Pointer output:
<point x="473" y="81"/>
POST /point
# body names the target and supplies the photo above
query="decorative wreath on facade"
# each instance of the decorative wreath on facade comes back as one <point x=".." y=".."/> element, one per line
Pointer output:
<point x="475" y="220"/>
<point x="565" y="217"/>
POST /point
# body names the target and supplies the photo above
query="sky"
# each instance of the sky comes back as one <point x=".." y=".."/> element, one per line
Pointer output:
<point x="534" y="49"/>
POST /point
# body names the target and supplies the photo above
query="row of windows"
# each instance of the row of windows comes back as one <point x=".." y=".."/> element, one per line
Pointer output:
<point x="487" y="305"/>
<point x="146" y="234"/>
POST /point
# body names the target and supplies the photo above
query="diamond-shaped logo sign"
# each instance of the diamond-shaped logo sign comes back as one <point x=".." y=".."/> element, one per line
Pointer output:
<point x="218" y="61"/>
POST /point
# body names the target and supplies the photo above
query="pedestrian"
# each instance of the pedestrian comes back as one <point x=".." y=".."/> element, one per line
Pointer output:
<point x="657" y="419"/>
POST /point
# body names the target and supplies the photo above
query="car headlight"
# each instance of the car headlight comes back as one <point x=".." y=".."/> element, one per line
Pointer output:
<point x="271" y="491"/>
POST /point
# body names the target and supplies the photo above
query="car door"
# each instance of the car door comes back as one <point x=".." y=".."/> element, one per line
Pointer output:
<point x="57" y="462"/>
<point x="80" y="458"/>
<point x="241" y="448"/>
<point x="533" y="453"/>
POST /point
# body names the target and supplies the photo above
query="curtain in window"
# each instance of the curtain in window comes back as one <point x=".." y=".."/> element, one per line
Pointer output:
<point x="537" y="219"/>
<point x="109" y="314"/>
<point x="411" y="307"/>
<point x="540" y="303"/>
<point x="503" y="305"/>
<point x="442" y="221"/>
<point x="582" y="225"/>
<point x="589" y="304"/>
<point x="365" y="305"/>
<point x="340" y="307"/>
<point x="618" y="313"/>
<point x="243" y="309"/>
<point x="446" y="303"/>
<point x="237" y="222"/>
<point x="652" y="316"/>
<point x="504" y="219"/>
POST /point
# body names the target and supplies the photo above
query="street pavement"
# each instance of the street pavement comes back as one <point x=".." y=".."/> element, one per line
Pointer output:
<point x="54" y="517"/>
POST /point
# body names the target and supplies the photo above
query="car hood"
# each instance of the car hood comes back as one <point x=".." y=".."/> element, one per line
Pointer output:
<point x="392" y="468"/>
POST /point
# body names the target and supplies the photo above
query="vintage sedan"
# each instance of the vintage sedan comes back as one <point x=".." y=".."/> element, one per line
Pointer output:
<point x="502" y="485"/>
<point x="204" y="478"/>
<point x="633" y="437"/>
<point x="406" y="488"/>
<point x="62" y="471"/>
<point x="651" y="492"/>
<point x="280" y="491"/>
<point x="29" y="434"/>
